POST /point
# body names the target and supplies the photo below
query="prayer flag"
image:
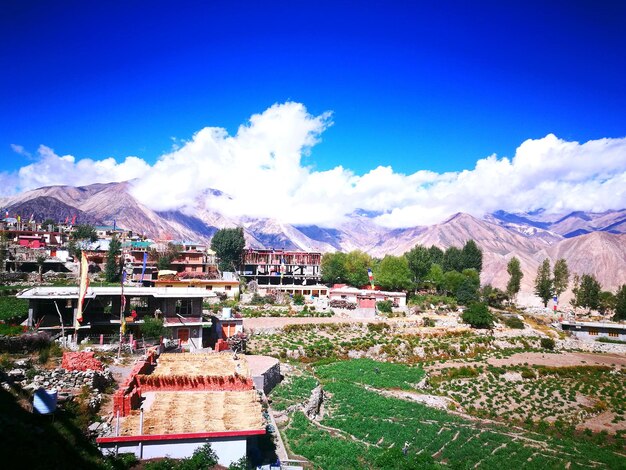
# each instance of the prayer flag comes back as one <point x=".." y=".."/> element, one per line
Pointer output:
<point x="370" y="275"/>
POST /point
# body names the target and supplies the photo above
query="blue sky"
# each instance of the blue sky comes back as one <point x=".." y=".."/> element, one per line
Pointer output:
<point x="418" y="85"/>
<point x="428" y="89"/>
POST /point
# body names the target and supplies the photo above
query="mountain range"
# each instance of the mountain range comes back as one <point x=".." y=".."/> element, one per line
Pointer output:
<point x="591" y="242"/>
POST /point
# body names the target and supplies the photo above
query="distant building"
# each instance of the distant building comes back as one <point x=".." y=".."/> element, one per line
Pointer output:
<point x="180" y="308"/>
<point x="277" y="267"/>
<point x="595" y="330"/>
<point x="366" y="298"/>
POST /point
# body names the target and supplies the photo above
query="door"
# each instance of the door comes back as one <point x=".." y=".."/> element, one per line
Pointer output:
<point x="183" y="335"/>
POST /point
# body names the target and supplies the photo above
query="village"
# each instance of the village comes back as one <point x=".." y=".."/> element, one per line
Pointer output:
<point x="160" y="355"/>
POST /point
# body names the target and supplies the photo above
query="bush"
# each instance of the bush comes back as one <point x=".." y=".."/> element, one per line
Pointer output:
<point x="428" y="322"/>
<point x="203" y="458"/>
<point x="241" y="464"/>
<point x="547" y="343"/>
<point x="514" y="322"/>
<point x="10" y="330"/>
<point x="384" y="306"/>
<point x="260" y="300"/>
<point x="298" y="299"/>
<point x="478" y="315"/>
<point x="152" y="328"/>
<point x="13" y="309"/>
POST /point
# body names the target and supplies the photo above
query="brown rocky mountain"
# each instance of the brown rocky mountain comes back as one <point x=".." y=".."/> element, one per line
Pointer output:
<point x="530" y="237"/>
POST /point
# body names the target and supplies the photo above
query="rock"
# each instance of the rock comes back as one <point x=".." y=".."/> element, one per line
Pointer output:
<point x="422" y="383"/>
<point x="22" y="362"/>
<point x="312" y="408"/>
<point x="17" y="373"/>
<point x="512" y="377"/>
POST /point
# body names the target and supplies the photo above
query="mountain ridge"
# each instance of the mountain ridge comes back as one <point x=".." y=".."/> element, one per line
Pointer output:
<point x="599" y="246"/>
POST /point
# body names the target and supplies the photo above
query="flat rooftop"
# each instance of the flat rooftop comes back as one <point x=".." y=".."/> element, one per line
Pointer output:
<point x="195" y="412"/>
<point x="201" y="365"/>
<point x="129" y="291"/>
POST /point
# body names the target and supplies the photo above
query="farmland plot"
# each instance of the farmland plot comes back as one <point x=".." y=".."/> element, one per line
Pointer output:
<point x="363" y="429"/>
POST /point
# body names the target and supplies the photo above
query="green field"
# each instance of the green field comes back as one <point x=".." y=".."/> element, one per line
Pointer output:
<point x="363" y="429"/>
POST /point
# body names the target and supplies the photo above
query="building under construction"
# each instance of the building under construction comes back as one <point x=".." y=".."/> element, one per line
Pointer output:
<point x="275" y="267"/>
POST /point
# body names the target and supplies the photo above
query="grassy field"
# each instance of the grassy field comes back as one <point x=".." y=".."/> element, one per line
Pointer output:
<point x="363" y="429"/>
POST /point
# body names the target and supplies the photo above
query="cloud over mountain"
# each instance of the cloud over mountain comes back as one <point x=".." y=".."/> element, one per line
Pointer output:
<point x="264" y="171"/>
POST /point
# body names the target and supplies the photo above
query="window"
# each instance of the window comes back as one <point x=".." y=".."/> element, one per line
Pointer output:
<point x="593" y="332"/>
<point x="184" y="307"/>
<point x="228" y="287"/>
<point x="139" y="304"/>
<point x="209" y="287"/>
<point x="614" y="334"/>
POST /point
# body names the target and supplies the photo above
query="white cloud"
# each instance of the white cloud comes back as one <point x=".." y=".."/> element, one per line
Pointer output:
<point x="51" y="169"/>
<point x="264" y="171"/>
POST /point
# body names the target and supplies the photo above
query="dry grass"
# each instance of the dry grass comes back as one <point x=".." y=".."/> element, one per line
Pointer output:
<point x="195" y="365"/>
<point x="191" y="412"/>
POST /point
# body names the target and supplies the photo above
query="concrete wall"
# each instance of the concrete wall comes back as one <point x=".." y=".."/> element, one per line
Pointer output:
<point x="269" y="379"/>
<point x="227" y="449"/>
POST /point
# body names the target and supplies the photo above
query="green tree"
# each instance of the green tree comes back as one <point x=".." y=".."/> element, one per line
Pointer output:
<point x="467" y="291"/>
<point x="436" y="255"/>
<point x="228" y="244"/>
<point x="472" y="256"/>
<point x="451" y="282"/>
<point x="435" y="277"/>
<point x="73" y="248"/>
<point x="453" y="259"/>
<point x="477" y="315"/>
<point x="333" y="268"/>
<point x="356" y="263"/>
<point x="561" y="277"/>
<point x="587" y="293"/>
<point x="164" y="256"/>
<point x="393" y="273"/>
<point x="543" y="282"/>
<point x="419" y="262"/>
<point x="47" y="222"/>
<point x="620" y="303"/>
<point x="493" y="296"/>
<point x="112" y="267"/>
<point x="515" y="280"/>
<point x="84" y="232"/>
<point x="606" y="302"/>
<point x="152" y="328"/>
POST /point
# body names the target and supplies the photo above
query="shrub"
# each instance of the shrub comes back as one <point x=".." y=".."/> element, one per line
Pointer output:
<point x="13" y="309"/>
<point x="547" y="343"/>
<point x="514" y="322"/>
<point x="428" y="322"/>
<point x="10" y="330"/>
<point x="203" y="457"/>
<point x="241" y="464"/>
<point x="298" y="299"/>
<point x="384" y="306"/>
<point x="152" y="327"/>
<point x="478" y="315"/>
